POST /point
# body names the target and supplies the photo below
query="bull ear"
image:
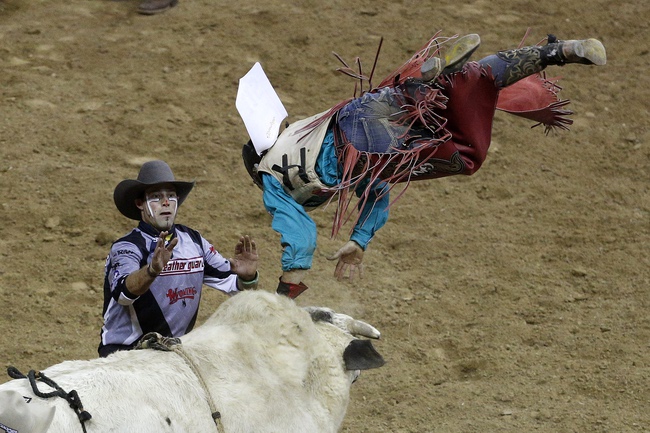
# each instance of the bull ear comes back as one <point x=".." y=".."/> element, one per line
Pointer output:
<point x="361" y="355"/>
<point x="320" y="314"/>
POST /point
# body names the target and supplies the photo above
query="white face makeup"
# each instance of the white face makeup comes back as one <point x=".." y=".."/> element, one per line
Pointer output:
<point x="159" y="208"/>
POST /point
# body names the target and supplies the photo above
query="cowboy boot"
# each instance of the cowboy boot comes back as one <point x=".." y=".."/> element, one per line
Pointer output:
<point x="510" y="66"/>
<point x="290" y="290"/>
<point x="584" y="52"/>
<point x="453" y="60"/>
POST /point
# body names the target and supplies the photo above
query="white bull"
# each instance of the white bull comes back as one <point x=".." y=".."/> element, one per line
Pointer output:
<point x="263" y="363"/>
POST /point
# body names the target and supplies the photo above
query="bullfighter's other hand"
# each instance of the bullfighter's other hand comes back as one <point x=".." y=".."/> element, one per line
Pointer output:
<point x="244" y="264"/>
<point x="350" y="261"/>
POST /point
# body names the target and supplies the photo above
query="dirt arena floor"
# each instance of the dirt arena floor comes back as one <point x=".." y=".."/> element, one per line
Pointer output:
<point x="514" y="300"/>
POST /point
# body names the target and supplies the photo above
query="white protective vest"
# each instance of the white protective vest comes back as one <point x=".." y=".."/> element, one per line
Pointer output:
<point x="292" y="160"/>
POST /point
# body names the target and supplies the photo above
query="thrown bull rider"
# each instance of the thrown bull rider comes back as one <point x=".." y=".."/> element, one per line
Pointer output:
<point x="431" y="118"/>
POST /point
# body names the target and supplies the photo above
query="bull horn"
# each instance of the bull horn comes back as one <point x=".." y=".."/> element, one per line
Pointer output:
<point x="343" y="321"/>
<point x="357" y="327"/>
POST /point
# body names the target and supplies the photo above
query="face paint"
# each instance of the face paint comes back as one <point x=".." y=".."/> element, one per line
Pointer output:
<point x="161" y="207"/>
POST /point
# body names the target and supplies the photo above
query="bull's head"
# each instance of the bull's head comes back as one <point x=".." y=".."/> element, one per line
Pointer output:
<point x="359" y="354"/>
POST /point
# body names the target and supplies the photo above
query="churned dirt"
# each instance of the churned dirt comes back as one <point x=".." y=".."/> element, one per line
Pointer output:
<point x="514" y="300"/>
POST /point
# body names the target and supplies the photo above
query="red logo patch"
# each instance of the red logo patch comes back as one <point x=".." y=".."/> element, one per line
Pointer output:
<point x="180" y="294"/>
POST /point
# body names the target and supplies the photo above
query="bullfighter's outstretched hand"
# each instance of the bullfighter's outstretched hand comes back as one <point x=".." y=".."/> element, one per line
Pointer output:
<point x="244" y="264"/>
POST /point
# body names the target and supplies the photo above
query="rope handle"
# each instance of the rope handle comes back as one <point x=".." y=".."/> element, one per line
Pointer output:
<point x="71" y="397"/>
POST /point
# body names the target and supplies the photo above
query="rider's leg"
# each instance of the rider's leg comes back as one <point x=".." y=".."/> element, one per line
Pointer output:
<point x="510" y="66"/>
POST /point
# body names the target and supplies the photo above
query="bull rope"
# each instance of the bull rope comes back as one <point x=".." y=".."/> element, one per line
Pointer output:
<point x="71" y="397"/>
<point x="154" y="340"/>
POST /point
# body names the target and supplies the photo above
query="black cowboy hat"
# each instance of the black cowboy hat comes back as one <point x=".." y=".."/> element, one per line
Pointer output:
<point x="151" y="173"/>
